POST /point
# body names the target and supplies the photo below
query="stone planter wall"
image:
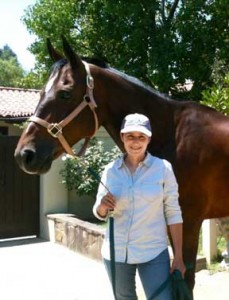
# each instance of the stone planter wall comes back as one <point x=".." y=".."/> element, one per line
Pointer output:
<point x="85" y="237"/>
<point x="80" y="236"/>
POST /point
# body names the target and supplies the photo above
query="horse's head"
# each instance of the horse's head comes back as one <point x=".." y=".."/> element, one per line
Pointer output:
<point x="65" y="102"/>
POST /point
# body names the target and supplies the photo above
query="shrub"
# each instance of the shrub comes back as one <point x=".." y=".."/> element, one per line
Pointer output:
<point x="75" y="172"/>
<point x="218" y="96"/>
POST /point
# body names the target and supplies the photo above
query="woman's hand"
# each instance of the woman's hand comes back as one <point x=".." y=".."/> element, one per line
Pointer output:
<point x="108" y="203"/>
<point x="178" y="264"/>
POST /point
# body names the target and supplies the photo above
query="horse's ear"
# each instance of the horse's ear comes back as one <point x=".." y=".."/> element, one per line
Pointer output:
<point x="73" y="58"/>
<point x="55" y="55"/>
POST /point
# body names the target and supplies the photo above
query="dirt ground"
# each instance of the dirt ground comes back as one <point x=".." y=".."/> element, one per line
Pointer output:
<point x="211" y="287"/>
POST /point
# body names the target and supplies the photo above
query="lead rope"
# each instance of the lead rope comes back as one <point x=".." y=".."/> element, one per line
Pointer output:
<point x="111" y="235"/>
<point x="112" y="252"/>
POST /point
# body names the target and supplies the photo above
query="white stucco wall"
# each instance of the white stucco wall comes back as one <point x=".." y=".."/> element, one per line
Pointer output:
<point x="13" y="130"/>
<point x="53" y="196"/>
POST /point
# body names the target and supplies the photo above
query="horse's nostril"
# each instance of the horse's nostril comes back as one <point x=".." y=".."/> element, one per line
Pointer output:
<point x="28" y="156"/>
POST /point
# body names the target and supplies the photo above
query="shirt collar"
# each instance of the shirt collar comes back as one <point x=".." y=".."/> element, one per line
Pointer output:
<point x="147" y="161"/>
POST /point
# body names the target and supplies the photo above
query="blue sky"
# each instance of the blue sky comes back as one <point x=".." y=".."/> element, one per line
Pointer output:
<point x="14" y="33"/>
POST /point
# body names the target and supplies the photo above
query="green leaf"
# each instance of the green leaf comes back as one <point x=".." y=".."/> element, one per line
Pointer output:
<point x="75" y="174"/>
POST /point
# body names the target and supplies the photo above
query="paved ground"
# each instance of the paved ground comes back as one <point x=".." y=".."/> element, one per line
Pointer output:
<point x="37" y="269"/>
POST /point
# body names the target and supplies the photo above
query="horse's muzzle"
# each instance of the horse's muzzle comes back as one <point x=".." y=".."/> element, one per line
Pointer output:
<point x="31" y="162"/>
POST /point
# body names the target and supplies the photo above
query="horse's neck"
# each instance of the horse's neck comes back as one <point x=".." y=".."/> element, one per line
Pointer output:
<point x="119" y="99"/>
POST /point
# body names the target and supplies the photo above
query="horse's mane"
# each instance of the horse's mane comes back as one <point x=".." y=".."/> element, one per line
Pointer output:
<point x="58" y="65"/>
<point x="95" y="61"/>
<point x="102" y="64"/>
<point x="138" y="82"/>
<point x="91" y="60"/>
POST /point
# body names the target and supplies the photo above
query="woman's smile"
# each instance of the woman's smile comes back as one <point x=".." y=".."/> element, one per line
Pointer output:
<point x="135" y="143"/>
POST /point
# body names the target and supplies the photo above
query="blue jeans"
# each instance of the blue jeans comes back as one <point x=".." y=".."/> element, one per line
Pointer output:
<point x="152" y="274"/>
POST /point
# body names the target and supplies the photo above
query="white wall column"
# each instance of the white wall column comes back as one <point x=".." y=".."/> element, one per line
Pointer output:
<point x="53" y="196"/>
<point x="209" y="239"/>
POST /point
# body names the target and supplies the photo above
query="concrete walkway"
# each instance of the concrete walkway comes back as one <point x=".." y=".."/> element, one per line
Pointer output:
<point x="35" y="269"/>
<point x="40" y="270"/>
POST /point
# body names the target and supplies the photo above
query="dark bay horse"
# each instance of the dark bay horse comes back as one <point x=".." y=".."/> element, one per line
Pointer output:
<point x="193" y="137"/>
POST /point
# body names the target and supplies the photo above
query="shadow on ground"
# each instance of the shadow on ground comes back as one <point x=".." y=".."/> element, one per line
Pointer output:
<point x="20" y="241"/>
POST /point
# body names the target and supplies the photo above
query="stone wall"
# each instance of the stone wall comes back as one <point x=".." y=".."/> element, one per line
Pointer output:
<point x="86" y="238"/>
<point x="80" y="236"/>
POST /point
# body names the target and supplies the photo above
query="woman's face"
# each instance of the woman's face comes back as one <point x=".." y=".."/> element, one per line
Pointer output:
<point x="135" y="143"/>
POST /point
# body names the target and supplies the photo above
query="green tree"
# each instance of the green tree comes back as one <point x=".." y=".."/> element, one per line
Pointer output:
<point x="83" y="174"/>
<point x="32" y="80"/>
<point x="11" y="71"/>
<point x="13" y="75"/>
<point x="6" y="53"/>
<point x="162" y="42"/>
<point x="218" y="96"/>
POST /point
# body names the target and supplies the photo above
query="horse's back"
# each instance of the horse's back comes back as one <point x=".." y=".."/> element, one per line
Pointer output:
<point x="203" y="128"/>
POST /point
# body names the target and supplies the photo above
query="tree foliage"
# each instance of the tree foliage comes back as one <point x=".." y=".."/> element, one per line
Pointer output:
<point x="33" y="80"/>
<point x="76" y="173"/>
<point x="7" y="53"/>
<point x="218" y="96"/>
<point x="13" y="75"/>
<point x="162" y="42"/>
<point x="11" y="71"/>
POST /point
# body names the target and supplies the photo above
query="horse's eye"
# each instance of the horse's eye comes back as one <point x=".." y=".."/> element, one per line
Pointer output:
<point x="64" y="95"/>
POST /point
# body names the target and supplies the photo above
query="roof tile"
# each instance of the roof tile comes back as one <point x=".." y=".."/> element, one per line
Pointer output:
<point x="16" y="102"/>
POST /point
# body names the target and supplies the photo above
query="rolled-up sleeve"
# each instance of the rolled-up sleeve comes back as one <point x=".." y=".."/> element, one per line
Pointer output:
<point x="172" y="209"/>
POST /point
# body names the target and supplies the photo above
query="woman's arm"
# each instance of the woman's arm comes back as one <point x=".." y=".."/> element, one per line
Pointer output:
<point x="104" y="199"/>
<point x="176" y="231"/>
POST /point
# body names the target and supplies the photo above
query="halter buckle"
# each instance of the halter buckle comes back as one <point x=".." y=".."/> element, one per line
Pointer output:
<point x="54" y="129"/>
<point x="90" y="82"/>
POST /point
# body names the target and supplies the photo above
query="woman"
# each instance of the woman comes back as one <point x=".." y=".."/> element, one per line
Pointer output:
<point x="144" y="199"/>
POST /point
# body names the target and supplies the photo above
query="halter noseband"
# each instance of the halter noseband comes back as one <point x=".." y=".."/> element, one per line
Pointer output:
<point x="55" y="129"/>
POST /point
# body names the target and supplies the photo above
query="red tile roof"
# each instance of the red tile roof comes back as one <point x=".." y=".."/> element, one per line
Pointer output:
<point x="17" y="103"/>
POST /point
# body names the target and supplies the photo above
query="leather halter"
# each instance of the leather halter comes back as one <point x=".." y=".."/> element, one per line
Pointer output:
<point x="55" y="129"/>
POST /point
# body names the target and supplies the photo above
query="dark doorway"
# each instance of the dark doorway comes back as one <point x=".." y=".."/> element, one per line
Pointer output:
<point x="19" y="195"/>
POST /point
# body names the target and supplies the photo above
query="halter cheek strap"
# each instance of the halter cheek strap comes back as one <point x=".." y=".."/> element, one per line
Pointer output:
<point x="55" y="129"/>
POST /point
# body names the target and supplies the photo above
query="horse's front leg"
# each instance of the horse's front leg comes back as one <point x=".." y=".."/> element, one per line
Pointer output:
<point x="191" y="229"/>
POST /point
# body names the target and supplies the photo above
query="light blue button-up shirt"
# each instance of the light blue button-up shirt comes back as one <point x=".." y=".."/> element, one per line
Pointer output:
<point x="147" y="201"/>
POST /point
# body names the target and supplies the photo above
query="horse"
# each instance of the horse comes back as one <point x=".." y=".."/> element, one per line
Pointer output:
<point x="81" y="96"/>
